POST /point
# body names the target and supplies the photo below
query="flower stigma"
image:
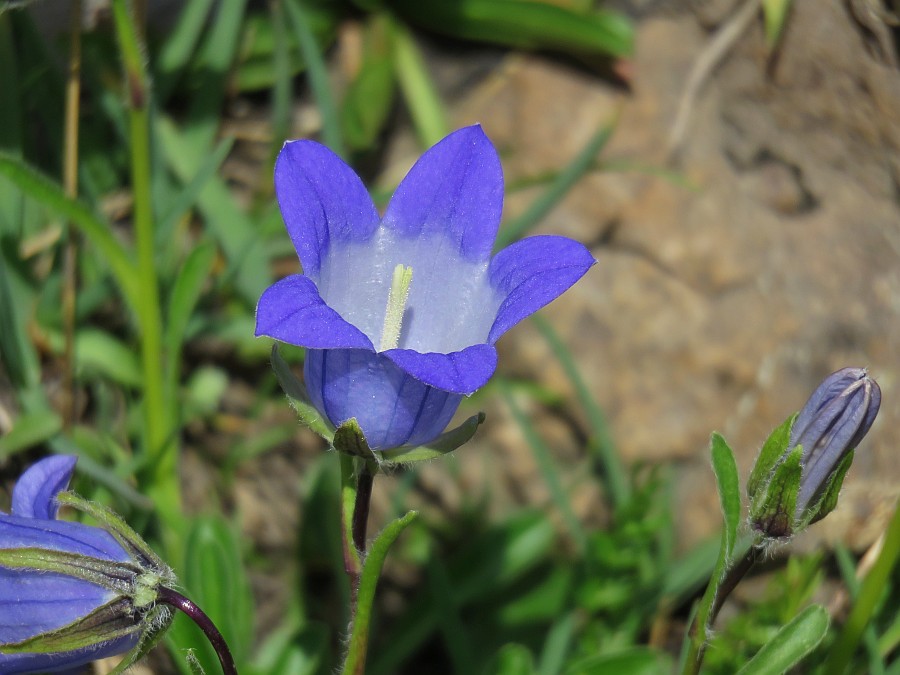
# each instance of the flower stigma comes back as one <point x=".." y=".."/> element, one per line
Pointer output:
<point x="396" y="307"/>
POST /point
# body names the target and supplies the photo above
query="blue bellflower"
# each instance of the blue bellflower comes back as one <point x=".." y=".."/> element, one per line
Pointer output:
<point x="34" y="602"/>
<point x="400" y="314"/>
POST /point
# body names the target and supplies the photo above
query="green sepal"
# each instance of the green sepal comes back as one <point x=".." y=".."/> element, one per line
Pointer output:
<point x="772" y="510"/>
<point x="773" y="450"/>
<point x="299" y="398"/>
<point x="130" y="540"/>
<point x="349" y="439"/>
<point x="443" y="444"/>
<point x="108" y="622"/>
<point x="829" y="499"/>
<point x="156" y="624"/>
<point x="114" y="576"/>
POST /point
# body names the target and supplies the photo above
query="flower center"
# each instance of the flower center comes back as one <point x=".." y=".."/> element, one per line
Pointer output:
<point x="396" y="307"/>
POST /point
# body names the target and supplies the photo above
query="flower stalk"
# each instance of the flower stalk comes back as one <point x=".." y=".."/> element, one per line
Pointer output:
<point x="164" y="488"/>
<point x="176" y="600"/>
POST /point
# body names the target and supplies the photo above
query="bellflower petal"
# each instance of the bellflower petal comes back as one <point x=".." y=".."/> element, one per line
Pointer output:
<point x="455" y="190"/>
<point x="533" y="272"/>
<point x="322" y="200"/>
<point x="28" y="608"/>
<point x="36" y="490"/>
<point x="291" y="310"/>
<point x="459" y="372"/>
<point x="391" y="407"/>
<point x="402" y="373"/>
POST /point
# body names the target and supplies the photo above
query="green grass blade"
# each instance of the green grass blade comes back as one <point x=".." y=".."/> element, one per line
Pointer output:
<point x="318" y="77"/>
<point x="30" y="429"/>
<point x="50" y="194"/>
<point x="281" y="87"/>
<point x="524" y="24"/>
<point x="185" y="293"/>
<point x="234" y="231"/>
<point x="417" y="87"/>
<point x="791" y="644"/>
<point x="185" y="199"/>
<point x="370" y="96"/>
<point x="847" y="568"/>
<point x="544" y="459"/>
<point x="580" y="165"/>
<point x="601" y="443"/>
<point x="209" y="75"/>
<point x="174" y="54"/>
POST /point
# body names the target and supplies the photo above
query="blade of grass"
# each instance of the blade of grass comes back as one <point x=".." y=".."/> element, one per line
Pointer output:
<point x="51" y="195"/>
<point x="871" y="590"/>
<point x="370" y="96"/>
<point x="870" y="640"/>
<point x="209" y="74"/>
<point x="234" y="231"/>
<point x="557" y="644"/>
<point x="281" y="88"/>
<point x="182" y="301"/>
<point x="524" y="24"/>
<point x="185" y="199"/>
<point x="580" y="165"/>
<point x="544" y="459"/>
<point x="601" y="443"/>
<point x="417" y="87"/>
<point x="175" y="52"/>
<point x="456" y="638"/>
<point x="318" y="77"/>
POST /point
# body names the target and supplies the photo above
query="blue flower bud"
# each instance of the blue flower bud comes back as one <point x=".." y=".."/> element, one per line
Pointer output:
<point x="71" y="593"/>
<point x="799" y="473"/>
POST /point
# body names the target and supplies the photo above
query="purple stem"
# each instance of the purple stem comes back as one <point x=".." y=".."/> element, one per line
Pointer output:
<point x="199" y="617"/>
<point x="361" y="508"/>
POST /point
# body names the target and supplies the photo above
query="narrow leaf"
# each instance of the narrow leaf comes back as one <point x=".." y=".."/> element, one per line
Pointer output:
<point x="580" y="165"/>
<point x="773" y="509"/>
<point x="524" y="24"/>
<point x="726" y="472"/>
<point x="772" y="451"/>
<point x="443" y="444"/>
<point x="49" y="193"/>
<point x="193" y="274"/>
<point x="419" y="92"/>
<point x="184" y="200"/>
<point x="791" y="644"/>
<point x="318" y="76"/>
<point x="368" y="582"/>
<point x="29" y="430"/>
<point x="775" y="14"/>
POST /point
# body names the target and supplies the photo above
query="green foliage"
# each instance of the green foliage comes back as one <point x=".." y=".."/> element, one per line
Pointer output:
<point x="172" y="255"/>
<point x="786" y="595"/>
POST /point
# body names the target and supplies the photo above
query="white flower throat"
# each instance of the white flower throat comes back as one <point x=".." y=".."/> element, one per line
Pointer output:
<point x="450" y="306"/>
<point x="398" y="295"/>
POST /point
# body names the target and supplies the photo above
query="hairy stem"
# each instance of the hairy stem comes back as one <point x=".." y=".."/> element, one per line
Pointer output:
<point x="708" y="611"/>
